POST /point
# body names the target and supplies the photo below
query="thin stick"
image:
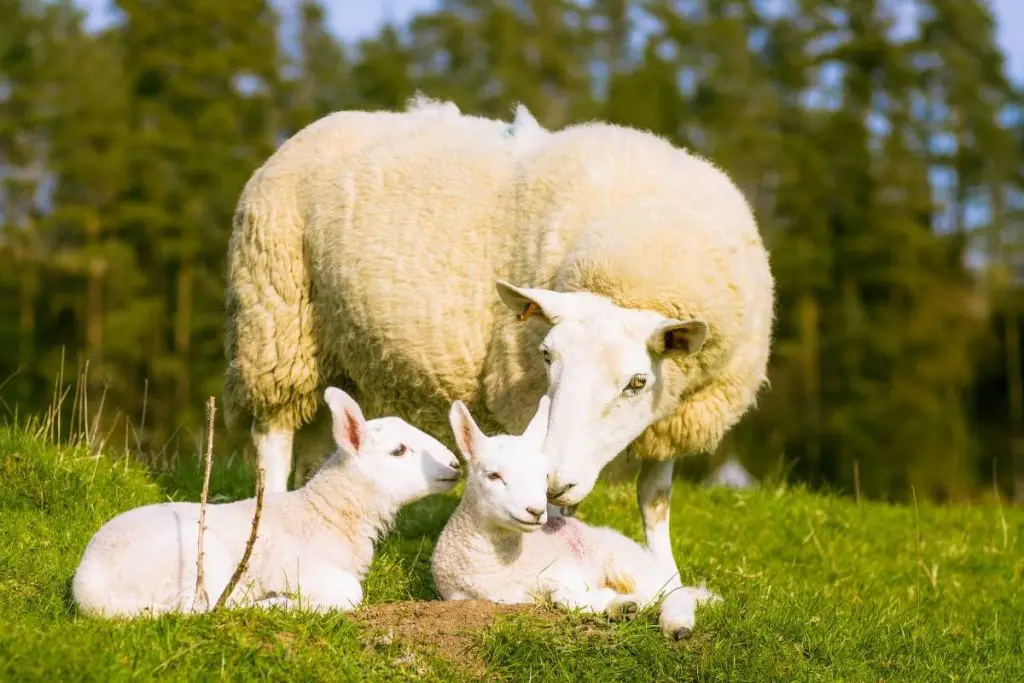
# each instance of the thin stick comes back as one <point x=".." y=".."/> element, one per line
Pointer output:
<point x="243" y="564"/>
<point x="201" y="595"/>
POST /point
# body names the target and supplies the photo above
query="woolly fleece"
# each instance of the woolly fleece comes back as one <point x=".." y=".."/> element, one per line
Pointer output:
<point x="365" y="253"/>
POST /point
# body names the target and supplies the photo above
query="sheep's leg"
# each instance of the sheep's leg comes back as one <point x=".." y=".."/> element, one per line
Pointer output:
<point x="274" y="454"/>
<point x="654" y="494"/>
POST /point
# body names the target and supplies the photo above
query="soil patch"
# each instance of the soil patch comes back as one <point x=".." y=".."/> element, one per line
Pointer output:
<point x="448" y="627"/>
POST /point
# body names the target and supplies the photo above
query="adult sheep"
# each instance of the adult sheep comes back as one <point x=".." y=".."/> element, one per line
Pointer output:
<point x="632" y="286"/>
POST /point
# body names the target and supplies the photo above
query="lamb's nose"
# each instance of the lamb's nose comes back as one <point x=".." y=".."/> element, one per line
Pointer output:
<point x="454" y="464"/>
<point x="536" y="512"/>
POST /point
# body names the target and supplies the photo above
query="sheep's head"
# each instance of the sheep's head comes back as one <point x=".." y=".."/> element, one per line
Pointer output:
<point x="403" y="462"/>
<point x="506" y="476"/>
<point x="611" y="374"/>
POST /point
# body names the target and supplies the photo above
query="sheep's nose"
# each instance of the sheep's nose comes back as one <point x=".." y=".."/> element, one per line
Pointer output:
<point x="455" y="465"/>
<point x="536" y="512"/>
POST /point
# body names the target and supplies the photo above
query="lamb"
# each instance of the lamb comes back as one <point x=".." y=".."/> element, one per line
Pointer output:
<point x="313" y="547"/>
<point x="632" y="287"/>
<point x="500" y="545"/>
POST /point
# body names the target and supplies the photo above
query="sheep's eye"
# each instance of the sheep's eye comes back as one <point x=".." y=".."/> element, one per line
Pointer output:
<point x="400" y="450"/>
<point x="546" y="355"/>
<point x="636" y="383"/>
<point x="493" y="476"/>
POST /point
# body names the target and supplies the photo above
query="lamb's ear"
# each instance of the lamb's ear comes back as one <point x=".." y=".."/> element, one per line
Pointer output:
<point x="677" y="336"/>
<point x="538" y="427"/>
<point x="468" y="436"/>
<point x="349" y="425"/>
<point x="546" y="304"/>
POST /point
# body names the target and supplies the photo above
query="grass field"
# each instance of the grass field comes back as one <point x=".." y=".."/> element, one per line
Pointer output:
<point x="814" y="588"/>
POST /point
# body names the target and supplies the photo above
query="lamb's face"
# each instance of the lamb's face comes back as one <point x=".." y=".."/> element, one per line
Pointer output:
<point x="606" y="379"/>
<point x="405" y="463"/>
<point x="506" y="475"/>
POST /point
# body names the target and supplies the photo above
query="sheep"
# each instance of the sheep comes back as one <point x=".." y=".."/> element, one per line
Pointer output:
<point x="446" y="258"/>
<point x="313" y="545"/>
<point x="500" y="545"/>
<point x="274" y="371"/>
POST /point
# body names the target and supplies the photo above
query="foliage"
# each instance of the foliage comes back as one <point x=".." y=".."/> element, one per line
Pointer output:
<point x="884" y="166"/>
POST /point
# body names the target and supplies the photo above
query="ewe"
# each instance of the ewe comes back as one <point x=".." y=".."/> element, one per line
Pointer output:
<point x="633" y="288"/>
<point x="499" y="545"/>
<point x="317" y="541"/>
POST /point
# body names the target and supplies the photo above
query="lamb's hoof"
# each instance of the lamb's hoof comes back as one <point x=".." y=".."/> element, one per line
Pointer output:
<point x="682" y="633"/>
<point x="625" y="610"/>
<point x="676" y="626"/>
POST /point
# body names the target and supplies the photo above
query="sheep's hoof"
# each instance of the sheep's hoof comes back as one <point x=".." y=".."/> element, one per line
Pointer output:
<point x="625" y="610"/>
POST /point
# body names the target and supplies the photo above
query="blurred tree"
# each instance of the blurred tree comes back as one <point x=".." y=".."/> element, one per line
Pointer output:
<point x="321" y="80"/>
<point x="22" y="178"/>
<point x="201" y="76"/>
<point x="878" y="142"/>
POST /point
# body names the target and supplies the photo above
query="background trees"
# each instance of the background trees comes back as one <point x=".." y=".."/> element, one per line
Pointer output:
<point x="881" y="147"/>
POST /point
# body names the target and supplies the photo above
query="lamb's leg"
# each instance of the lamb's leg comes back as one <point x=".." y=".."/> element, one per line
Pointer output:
<point x="274" y="454"/>
<point x="325" y="588"/>
<point x="597" y="601"/>
<point x="654" y="495"/>
<point x="276" y="601"/>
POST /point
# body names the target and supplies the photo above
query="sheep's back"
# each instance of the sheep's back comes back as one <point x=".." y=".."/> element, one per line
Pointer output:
<point x="404" y="247"/>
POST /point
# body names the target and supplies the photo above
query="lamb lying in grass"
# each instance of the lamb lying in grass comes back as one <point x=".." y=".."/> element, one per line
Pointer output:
<point x="499" y="545"/>
<point x="313" y="546"/>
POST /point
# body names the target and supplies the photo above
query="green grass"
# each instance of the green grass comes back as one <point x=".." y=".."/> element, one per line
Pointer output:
<point x="814" y="587"/>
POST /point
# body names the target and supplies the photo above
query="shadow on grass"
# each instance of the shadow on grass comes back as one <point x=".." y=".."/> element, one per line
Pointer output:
<point x="67" y="597"/>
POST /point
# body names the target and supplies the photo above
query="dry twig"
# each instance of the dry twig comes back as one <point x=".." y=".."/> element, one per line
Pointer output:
<point x="243" y="564"/>
<point x="201" y="595"/>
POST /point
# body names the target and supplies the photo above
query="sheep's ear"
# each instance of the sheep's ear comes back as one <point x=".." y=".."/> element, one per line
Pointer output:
<point x="349" y="425"/>
<point x="677" y="336"/>
<point x="538" y="427"/>
<point x="468" y="436"/>
<point x="547" y="305"/>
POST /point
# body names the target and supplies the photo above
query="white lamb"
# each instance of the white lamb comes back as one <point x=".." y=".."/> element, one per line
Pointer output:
<point x="499" y="544"/>
<point x="313" y="547"/>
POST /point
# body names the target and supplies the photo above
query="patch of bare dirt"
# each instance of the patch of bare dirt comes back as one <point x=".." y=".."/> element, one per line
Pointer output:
<point x="447" y="627"/>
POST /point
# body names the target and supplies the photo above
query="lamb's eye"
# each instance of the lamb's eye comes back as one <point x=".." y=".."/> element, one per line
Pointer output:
<point x="636" y="383"/>
<point x="494" y="476"/>
<point x="400" y="450"/>
<point x="546" y="355"/>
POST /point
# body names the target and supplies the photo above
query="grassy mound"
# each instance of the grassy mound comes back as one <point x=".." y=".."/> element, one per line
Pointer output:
<point x="814" y="587"/>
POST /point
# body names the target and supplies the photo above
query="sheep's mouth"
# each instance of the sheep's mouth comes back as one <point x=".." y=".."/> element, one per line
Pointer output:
<point x="449" y="480"/>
